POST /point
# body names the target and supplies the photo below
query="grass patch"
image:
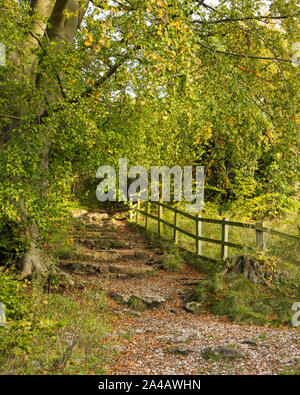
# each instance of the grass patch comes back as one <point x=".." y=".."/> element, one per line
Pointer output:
<point x="53" y="333"/>
<point x="65" y="252"/>
<point x="282" y="249"/>
<point x="242" y="301"/>
<point x="267" y="303"/>
<point x="290" y="371"/>
<point x="136" y="304"/>
<point x="172" y="263"/>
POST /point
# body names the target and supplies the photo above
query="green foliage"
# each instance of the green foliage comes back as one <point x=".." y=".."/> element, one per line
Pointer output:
<point x="65" y="252"/>
<point x="269" y="205"/>
<point x="178" y="96"/>
<point x="22" y="325"/>
<point x="172" y="263"/>
<point x="136" y="304"/>
<point x="14" y="295"/>
<point x="243" y="302"/>
<point x="13" y="244"/>
<point x="59" y="335"/>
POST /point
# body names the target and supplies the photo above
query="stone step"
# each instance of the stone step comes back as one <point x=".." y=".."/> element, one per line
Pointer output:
<point x="118" y="255"/>
<point x="103" y="243"/>
<point x="91" y="234"/>
<point x="123" y="271"/>
<point x="95" y="228"/>
<point x="150" y="300"/>
<point x="109" y="255"/>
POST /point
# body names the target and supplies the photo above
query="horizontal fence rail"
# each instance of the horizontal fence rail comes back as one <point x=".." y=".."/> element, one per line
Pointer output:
<point x="260" y="230"/>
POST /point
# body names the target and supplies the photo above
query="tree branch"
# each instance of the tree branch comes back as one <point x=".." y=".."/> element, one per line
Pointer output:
<point x="104" y="78"/>
<point x="239" y="55"/>
<point x="249" y="18"/>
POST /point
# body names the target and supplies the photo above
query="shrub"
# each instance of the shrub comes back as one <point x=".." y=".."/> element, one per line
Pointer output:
<point x="136" y="304"/>
<point x="172" y="263"/>
<point x="59" y="335"/>
<point x="242" y="301"/>
<point x="13" y="294"/>
<point x="13" y="245"/>
<point x="65" y="252"/>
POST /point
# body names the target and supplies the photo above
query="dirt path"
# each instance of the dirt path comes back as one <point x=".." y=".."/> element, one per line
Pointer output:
<point x="167" y="339"/>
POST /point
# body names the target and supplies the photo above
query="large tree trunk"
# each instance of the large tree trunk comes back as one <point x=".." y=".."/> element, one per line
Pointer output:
<point x="50" y="20"/>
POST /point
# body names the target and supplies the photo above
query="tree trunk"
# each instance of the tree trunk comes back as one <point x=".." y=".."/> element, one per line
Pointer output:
<point x="50" y="20"/>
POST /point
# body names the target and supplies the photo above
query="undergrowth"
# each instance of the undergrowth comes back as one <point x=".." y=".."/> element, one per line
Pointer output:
<point x="267" y="303"/>
<point x="172" y="262"/>
<point x="245" y="302"/>
<point x="136" y="304"/>
<point x="52" y="333"/>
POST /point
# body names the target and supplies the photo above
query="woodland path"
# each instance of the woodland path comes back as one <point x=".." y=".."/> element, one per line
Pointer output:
<point x="165" y="339"/>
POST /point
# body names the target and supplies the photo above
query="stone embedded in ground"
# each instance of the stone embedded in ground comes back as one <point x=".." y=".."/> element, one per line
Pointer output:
<point x="194" y="307"/>
<point x="139" y="331"/>
<point x="119" y="298"/>
<point x="106" y="256"/>
<point x="180" y="349"/>
<point x="85" y="268"/>
<point x="102" y="243"/>
<point x="132" y="271"/>
<point x="94" y="217"/>
<point x="151" y="300"/>
<point x="113" y="255"/>
<point x="118" y="349"/>
<point x="290" y="359"/>
<point x="119" y="244"/>
<point x="221" y="352"/>
<point x="181" y="339"/>
<point x="250" y="343"/>
<point x="136" y="313"/>
<point x="148" y="300"/>
<point x="191" y="282"/>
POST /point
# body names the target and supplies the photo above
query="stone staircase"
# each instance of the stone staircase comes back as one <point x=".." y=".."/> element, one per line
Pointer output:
<point x="106" y="246"/>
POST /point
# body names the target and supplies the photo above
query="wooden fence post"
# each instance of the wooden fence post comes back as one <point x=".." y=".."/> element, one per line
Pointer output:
<point x="198" y="233"/>
<point x="260" y="237"/>
<point x="147" y="211"/>
<point x="130" y="210"/>
<point x="138" y="207"/>
<point x="175" y="234"/>
<point x="224" y="249"/>
<point x="160" y="216"/>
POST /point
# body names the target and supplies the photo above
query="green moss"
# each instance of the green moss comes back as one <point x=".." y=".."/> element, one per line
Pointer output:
<point x="136" y="304"/>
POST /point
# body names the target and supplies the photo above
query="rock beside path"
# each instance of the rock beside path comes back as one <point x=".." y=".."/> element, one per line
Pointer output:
<point x="194" y="307"/>
<point x="148" y="299"/>
<point x="221" y="352"/>
<point x="180" y="349"/>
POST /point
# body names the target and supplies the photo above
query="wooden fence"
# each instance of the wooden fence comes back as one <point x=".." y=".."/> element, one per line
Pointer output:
<point x="260" y="230"/>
